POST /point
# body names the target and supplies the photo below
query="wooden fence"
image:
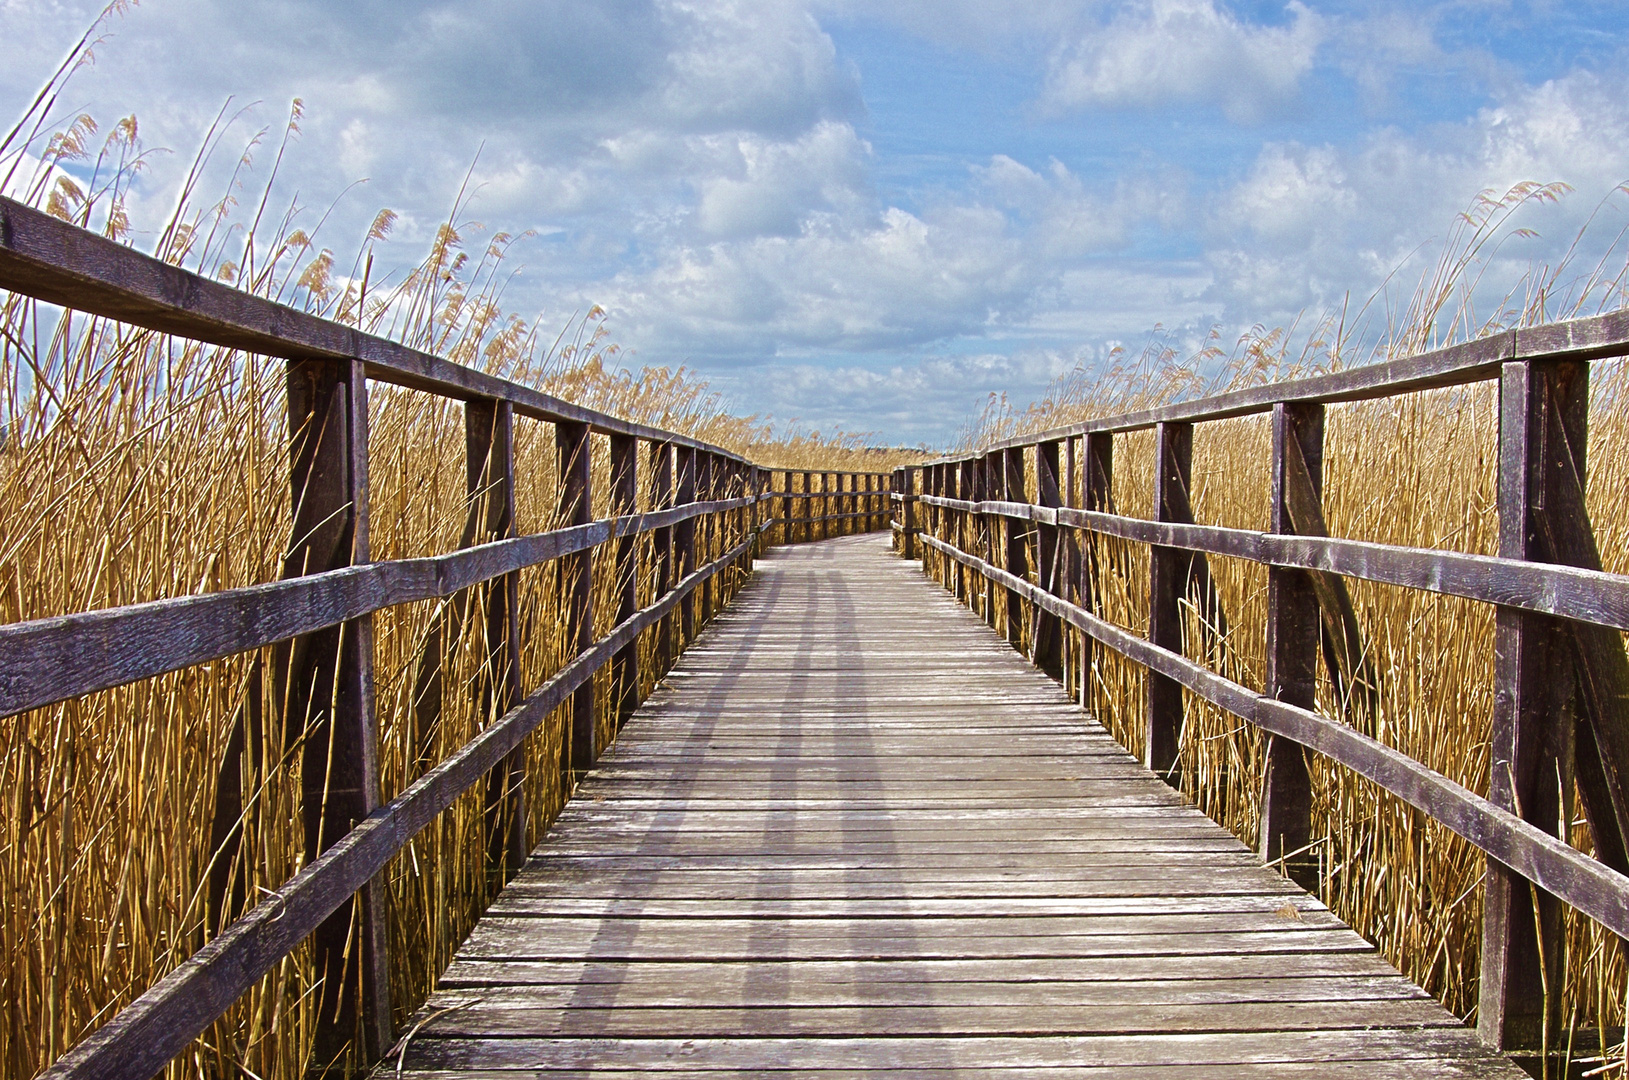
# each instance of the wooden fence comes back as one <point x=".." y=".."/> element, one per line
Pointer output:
<point x="1024" y="564"/>
<point x="706" y="514"/>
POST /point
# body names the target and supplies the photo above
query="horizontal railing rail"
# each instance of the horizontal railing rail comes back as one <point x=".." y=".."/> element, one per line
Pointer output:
<point x="1011" y="520"/>
<point x="705" y="505"/>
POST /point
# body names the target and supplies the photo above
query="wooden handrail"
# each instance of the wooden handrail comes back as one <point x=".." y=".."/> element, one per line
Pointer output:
<point x="1555" y="607"/>
<point x="330" y="582"/>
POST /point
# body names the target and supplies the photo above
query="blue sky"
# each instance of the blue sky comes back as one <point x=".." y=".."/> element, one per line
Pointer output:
<point x="876" y="214"/>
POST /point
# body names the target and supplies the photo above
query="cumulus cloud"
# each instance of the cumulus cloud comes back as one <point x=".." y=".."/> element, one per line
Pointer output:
<point x="1164" y="52"/>
<point x="1307" y="223"/>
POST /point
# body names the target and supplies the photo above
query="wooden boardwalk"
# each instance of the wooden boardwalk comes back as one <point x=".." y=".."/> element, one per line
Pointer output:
<point x="855" y="833"/>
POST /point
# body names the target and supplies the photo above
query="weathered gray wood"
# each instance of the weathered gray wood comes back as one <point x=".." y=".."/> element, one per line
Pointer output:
<point x="1574" y="593"/>
<point x="490" y="467"/>
<point x="662" y="550"/>
<point x="323" y="686"/>
<point x="625" y="501"/>
<point x="50" y="660"/>
<point x="1587" y="884"/>
<point x="1292" y="647"/>
<point x="574" y="467"/>
<point x="160" y="1023"/>
<point x="785" y="863"/>
<point x="1542" y="415"/>
<point x="1050" y="563"/>
<point x="1168" y="575"/>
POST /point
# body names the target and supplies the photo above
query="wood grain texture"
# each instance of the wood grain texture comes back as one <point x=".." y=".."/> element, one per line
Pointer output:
<point x="855" y="833"/>
<point x="159" y="1024"/>
<point x="1587" y="884"/>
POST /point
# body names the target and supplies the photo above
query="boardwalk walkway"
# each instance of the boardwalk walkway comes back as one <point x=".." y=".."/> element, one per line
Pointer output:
<point x="857" y="834"/>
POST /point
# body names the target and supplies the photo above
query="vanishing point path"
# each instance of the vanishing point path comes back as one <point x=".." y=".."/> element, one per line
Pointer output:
<point x="854" y="833"/>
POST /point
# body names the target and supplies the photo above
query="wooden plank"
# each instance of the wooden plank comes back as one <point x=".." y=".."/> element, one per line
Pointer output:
<point x="159" y="1024"/>
<point x="49" y="660"/>
<point x="820" y="846"/>
<point x="1587" y="884"/>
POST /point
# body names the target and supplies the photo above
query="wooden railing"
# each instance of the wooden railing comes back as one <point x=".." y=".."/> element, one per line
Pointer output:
<point x="972" y="522"/>
<point x="705" y="502"/>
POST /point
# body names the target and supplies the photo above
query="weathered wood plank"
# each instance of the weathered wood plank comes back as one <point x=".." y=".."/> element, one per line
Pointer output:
<point x="822" y="846"/>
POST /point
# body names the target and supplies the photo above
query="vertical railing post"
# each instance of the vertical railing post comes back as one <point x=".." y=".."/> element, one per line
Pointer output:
<point x="489" y="456"/>
<point x="684" y="542"/>
<point x="661" y="498"/>
<point x="707" y="529"/>
<point x="625" y="503"/>
<point x="572" y="448"/>
<point x="1543" y="412"/>
<point x="806" y="507"/>
<point x="907" y="513"/>
<point x="1292" y="645"/>
<point x="1168" y="583"/>
<point x="1048" y="635"/>
<point x="989" y="481"/>
<point x="324" y="684"/>
<point x="1016" y="561"/>
<point x="825" y="506"/>
<point x="786" y="509"/>
<point x="1069" y="554"/>
<point x="1097" y="493"/>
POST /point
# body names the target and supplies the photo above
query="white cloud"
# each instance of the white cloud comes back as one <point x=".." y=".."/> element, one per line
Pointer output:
<point x="1308" y="223"/>
<point x="1163" y="52"/>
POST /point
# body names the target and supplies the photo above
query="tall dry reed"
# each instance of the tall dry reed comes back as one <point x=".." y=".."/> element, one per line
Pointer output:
<point x="135" y="467"/>
<point x="1418" y="469"/>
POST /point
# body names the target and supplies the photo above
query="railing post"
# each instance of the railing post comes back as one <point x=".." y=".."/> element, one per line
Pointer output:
<point x="1292" y="646"/>
<point x="684" y="541"/>
<point x="786" y="509"/>
<point x="661" y="498"/>
<point x="708" y="530"/>
<point x="807" y="511"/>
<point x="989" y="480"/>
<point x="489" y="457"/>
<point x="1017" y="555"/>
<point x="1097" y="493"/>
<point x="625" y="503"/>
<point x="1169" y="569"/>
<point x="1048" y="636"/>
<point x="1543" y="411"/>
<point x="324" y="683"/>
<point x="907" y="514"/>
<point x="574" y="467"/>
<point x="1069" y="554"/>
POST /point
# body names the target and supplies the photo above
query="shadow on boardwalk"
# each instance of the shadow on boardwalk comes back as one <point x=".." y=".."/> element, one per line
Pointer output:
<point x="855" y="831"/>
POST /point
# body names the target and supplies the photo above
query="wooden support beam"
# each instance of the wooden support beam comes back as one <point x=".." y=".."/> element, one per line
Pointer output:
<point x="1543" y="410"/>
<point x="1013" y="487"/>
<point x="1050" y="562"/>
<point x="324" y="684"/>
<point x="624" y="502"/>
<point x="489" y="457"/>
<point x="684" y="541"/>
<point x="574" y="463"/>
<point x="1292" y="647"/>
<point x="1169" y="570"/>
<point x="907" y="513"/>
<point x="707" y="532"/>
<point x="661" y="498"/>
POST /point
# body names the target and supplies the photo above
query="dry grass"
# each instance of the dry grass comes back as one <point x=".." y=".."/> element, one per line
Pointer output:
<point x="1417" y="470"/>
<point x="136" y="467"/>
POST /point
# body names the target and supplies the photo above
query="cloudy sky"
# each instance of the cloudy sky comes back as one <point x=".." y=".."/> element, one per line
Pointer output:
<point x="876" y="213"/>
